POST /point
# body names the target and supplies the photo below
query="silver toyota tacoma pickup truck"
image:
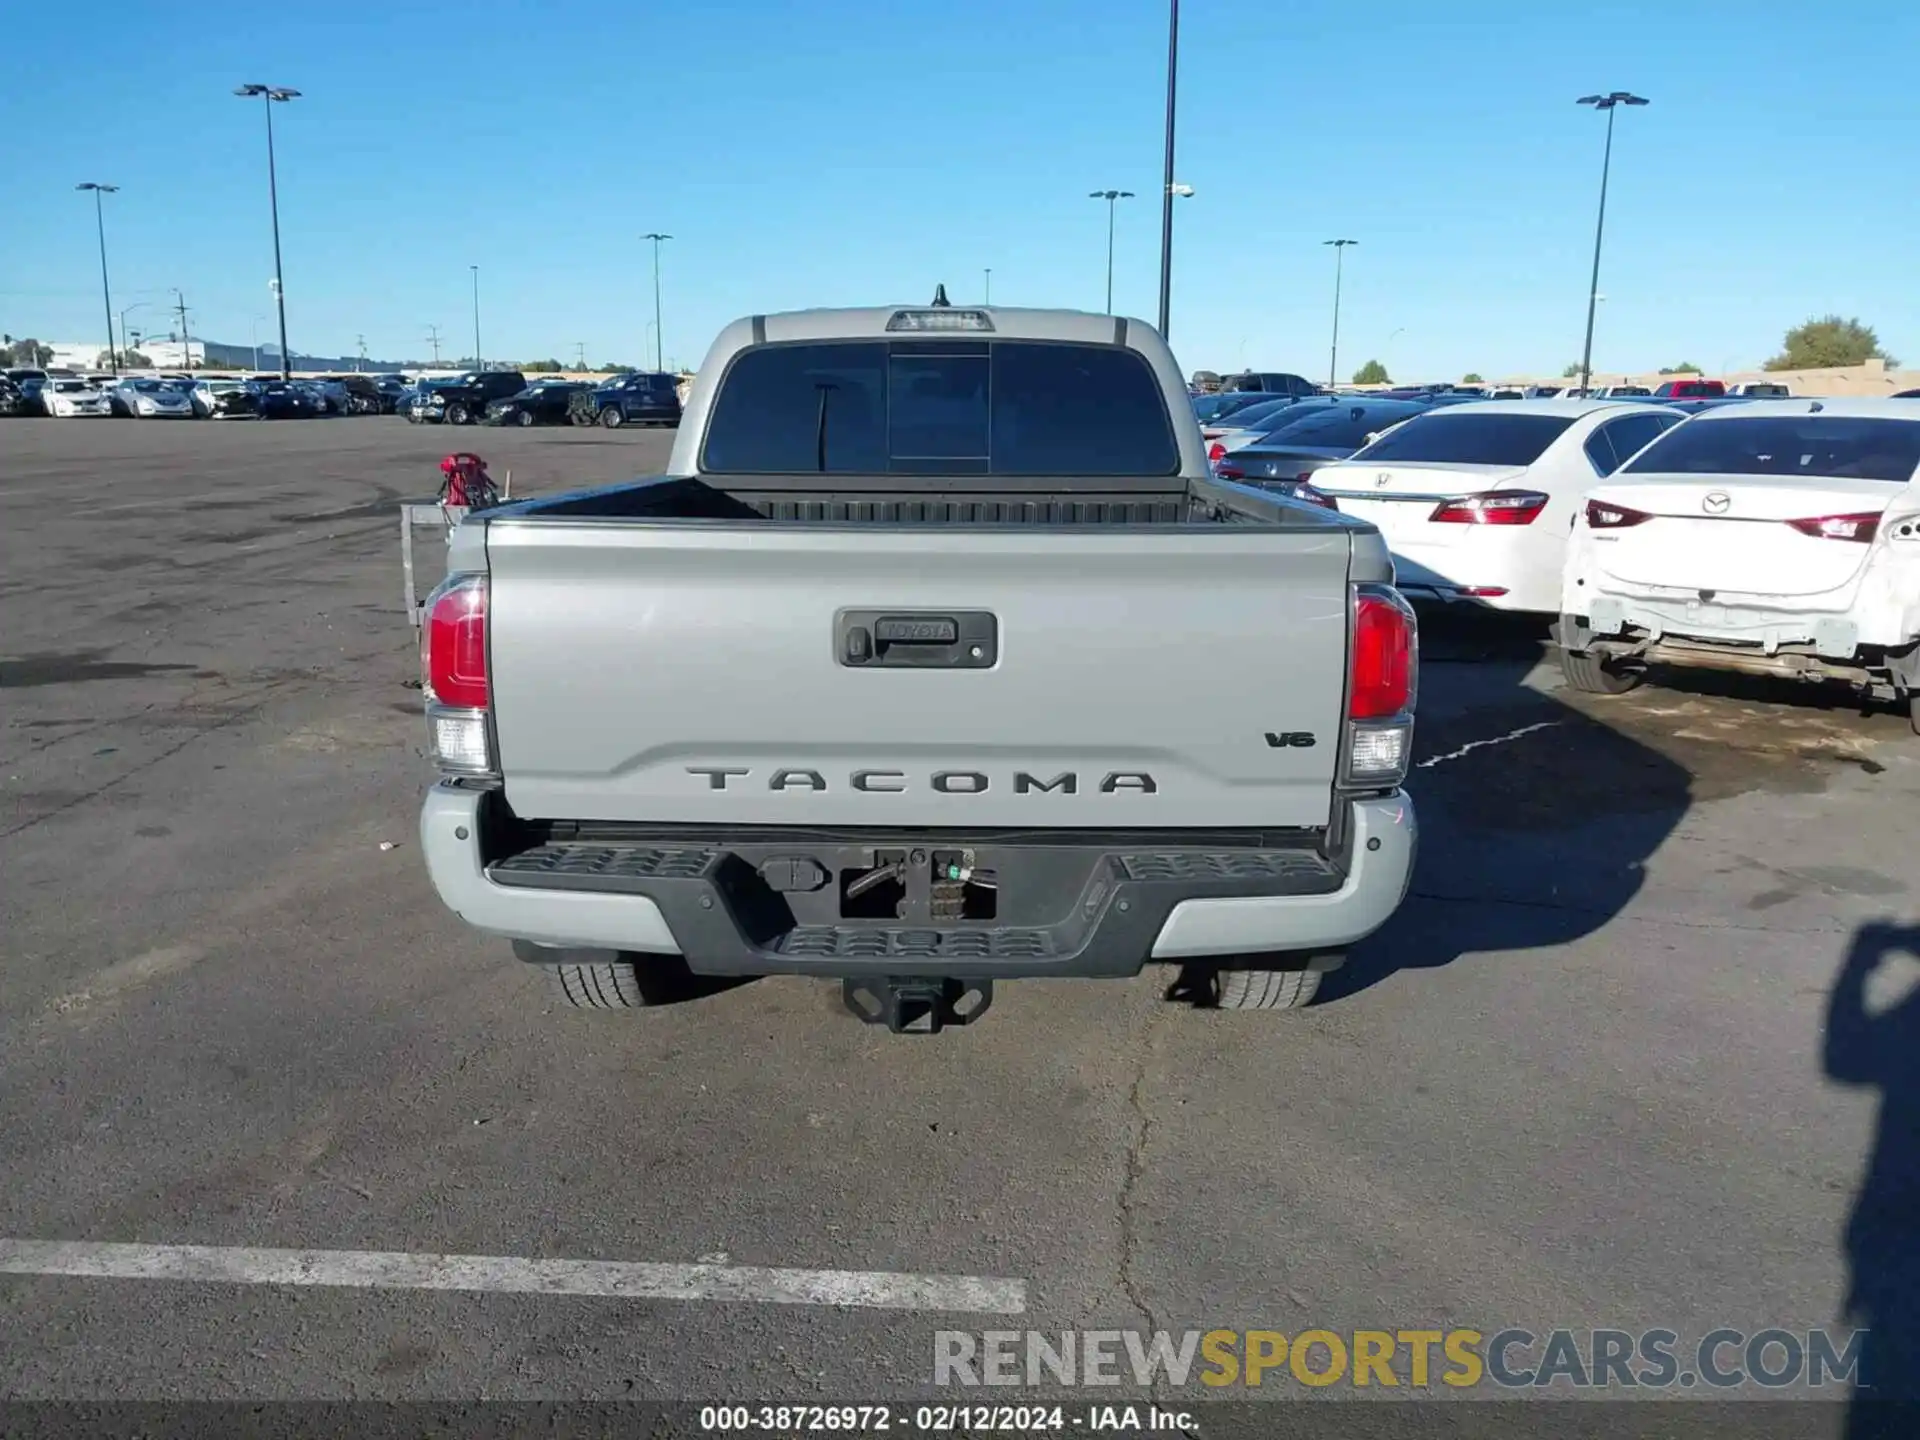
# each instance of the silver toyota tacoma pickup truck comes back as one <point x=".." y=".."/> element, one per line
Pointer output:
<point x="937" y="658"/>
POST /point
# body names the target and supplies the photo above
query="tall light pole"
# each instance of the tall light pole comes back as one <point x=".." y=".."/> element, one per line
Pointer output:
<point x="186" y="344"/>
<point x="1607" y="103"/>
<point x="271" y="95"/>
<point x="100" y="222"/>
<point x="478" y="364"/>
<point x="433" y="339"/>
<point x="1110" y="196"/>
<point x="1333" y="360"/>
<point x="1168" y="188"/>
<point x="656" y="237"/>
<point x="989" y="296"/>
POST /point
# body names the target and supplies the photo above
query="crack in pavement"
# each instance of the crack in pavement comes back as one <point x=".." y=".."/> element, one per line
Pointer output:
<point x="1126" y="1201"/>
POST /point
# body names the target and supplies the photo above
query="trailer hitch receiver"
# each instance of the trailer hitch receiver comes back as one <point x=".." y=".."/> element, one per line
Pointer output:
<point x="917" y="1004"/>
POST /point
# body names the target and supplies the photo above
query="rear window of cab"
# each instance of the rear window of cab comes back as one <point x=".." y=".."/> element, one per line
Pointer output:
<point x="940" y="407"/>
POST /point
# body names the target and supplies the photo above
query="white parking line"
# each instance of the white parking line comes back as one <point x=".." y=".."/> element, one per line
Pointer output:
<point x="627" y="1280"/>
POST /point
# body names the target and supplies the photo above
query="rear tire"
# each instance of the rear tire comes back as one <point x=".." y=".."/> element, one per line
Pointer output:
<point x="1235" y="989"/>
<point x="617" y="979"/>
<point x="612" y="418"/>
<point x="605" y="985"/>
<point x="1913" y="710"/>
<point x="525" y="418"/>
<point x="1593" y="675"/>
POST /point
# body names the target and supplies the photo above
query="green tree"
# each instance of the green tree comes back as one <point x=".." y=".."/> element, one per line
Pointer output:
<point x="1472" y="377"/>
<point x="540" y="367"/>
<point x="1829" y="342"/>
<point x="1371" y="373"/>
<point x="29" y="353"/>
<point x="1572" y="372"/>
<point x="613" y="369"/>
<point x="1685" y="367"/>
<point x="129" y="360"/>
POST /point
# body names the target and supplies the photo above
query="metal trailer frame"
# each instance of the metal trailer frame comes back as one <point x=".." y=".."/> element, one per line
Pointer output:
<point x="430" y="515"/>
<point x="418" y="515"/>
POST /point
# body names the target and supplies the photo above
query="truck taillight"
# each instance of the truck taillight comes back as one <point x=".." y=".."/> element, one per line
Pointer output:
<point x="1216" y="451"/>
<point x="453" y="643"/>
<point x="1382" y="686"/>
<point x="453" y="676"/>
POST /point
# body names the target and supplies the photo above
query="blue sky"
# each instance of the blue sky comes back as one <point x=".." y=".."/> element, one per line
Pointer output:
<point x="852" y="153"/>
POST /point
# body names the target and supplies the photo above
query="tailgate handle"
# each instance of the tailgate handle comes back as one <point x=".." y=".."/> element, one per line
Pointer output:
<point x="917" y="639"/>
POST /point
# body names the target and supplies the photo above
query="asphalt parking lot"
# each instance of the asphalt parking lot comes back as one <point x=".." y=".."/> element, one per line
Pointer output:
<point x="1582" y="1079"/>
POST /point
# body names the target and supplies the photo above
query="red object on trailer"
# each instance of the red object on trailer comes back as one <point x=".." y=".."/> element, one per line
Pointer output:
<point x="467" y="483"/>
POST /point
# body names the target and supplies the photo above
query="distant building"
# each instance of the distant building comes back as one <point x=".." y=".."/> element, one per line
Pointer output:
<point x="172" y="355"/>
<point x="79" y="355"/>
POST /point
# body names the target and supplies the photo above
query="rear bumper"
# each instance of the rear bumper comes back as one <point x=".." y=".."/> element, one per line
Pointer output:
<point x="1127" y="906"/>
<point x="1831" y="635"/>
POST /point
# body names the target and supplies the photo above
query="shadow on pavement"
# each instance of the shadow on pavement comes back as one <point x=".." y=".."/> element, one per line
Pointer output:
<point x="1536" y="821"/>
<point x="1881" y="1050"/>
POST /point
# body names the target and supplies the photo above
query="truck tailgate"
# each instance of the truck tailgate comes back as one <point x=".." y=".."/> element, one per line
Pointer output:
<point x="697" y="674"/>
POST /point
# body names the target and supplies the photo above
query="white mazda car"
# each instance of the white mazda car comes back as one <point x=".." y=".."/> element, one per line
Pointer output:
<point x="1476" y="500"/>
<point x="1780" y="537"/>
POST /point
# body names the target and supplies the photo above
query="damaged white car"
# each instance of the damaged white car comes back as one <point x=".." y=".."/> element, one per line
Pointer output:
<point x="1778" y="538"/>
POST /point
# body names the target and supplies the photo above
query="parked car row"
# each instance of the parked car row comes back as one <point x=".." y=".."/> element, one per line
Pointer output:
<point x="505" y="397"/>
<point x="66" y="395"/>
<point x="496" y="397"/>
<point x="1765" y="535"/>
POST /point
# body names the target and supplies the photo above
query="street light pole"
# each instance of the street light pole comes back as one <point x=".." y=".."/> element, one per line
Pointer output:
<point x="186" y="344"/>
<point x="271" y="95"/>
<point x="478" y="363"/>
<point x="1607" y="103"/>
<point x="658" y="346"/>
<point x="989" y="297"/>
<point x="1333" y="360"/>
<point x="100" y="221"/>
<point x="1110" y="196"/>
<point x="1167" y="185"/>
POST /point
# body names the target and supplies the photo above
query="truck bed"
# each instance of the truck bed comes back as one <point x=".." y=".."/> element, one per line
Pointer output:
<point x="1054" y="502"/>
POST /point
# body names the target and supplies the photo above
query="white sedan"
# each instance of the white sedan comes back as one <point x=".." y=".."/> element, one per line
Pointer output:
<point x="1476" y="500"/>
<point x="143" y="399"/>
<point x="1780" y="537"/>
<point x="66" y="398"/>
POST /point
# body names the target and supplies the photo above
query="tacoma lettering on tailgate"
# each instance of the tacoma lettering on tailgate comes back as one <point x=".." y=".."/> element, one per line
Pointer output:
<point x="945" y="782"/>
